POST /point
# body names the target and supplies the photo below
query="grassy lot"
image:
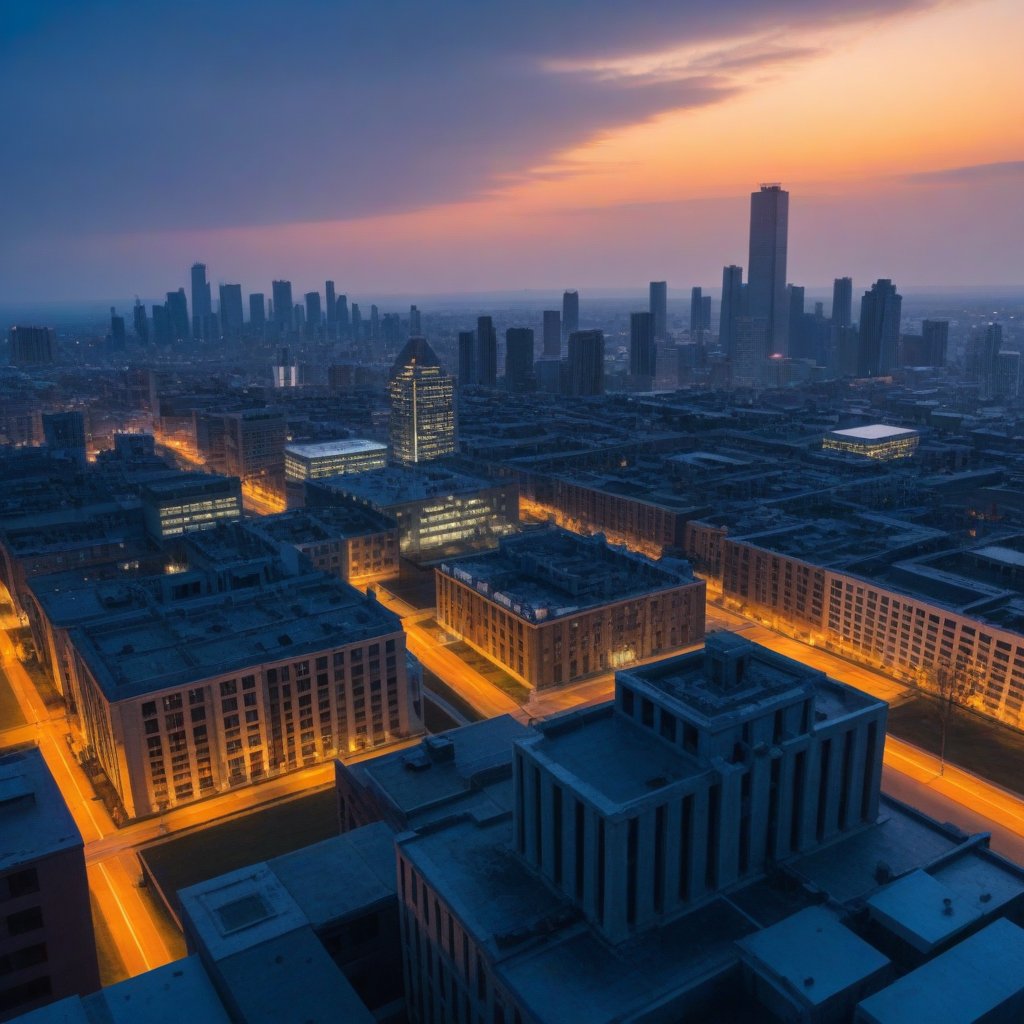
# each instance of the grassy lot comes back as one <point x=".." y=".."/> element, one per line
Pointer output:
<point x="432" y="682"/>
<point x="995" y="752"/>
<point x="112" y="968"/>
<point x="206" y="853"/>
<point x="10" y="711"/>
<point x="492" y="673"/>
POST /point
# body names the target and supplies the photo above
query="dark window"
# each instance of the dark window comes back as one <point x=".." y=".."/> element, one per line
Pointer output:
<point x="21" y="883"/>
<point x="24" y="921"/>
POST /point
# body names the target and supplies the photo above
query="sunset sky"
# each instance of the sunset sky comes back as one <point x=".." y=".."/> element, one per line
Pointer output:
<point x="420" y="147"/>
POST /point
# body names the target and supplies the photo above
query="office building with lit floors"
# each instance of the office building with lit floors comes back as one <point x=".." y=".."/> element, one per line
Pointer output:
<point x="304" y="462"/>
<point x="552" y="607"/>
<point x="47" y="949"/>
<point x="422" y="401"/>
<point x="181" y="701"/>
<point x="181" y="503"/>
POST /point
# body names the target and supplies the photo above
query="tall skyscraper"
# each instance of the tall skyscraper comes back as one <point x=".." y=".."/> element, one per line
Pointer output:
<point x="231" y="317"/>
<point x="163" y="329"/>
<point x="879" y="329"/>
<point x="748" y="365"/>
<point x="486" y="353"/>
<point x="257" y="310"/>
<point x="700" y="314"/>
<point x="177" y="307"/>
<point x="332" y="307"/>
<point x="282" y="298"/>
<point x="570" y="313"/>
<point x="982" y="358"/>
<point x="518" y="359"/>
<point x="467" y="359"/>
<point x="766" y="266"/>
<point x="552" y="333"/>
<point x="202" y="302"/>
<point x="842" y="302"/>
<point x="357" y="323"/>
<point x="422" y="399"/>
<point x="141" y="324"/>
<point x="117" y="332"/>
<point x="32" y="346"/>
<point x="415" y="322"/>
<point x="374" y="322"/>
<point x="801" y="341"/>
<point x="313" y="314"/>
<point x="935" y="338"/>
<point x="732" y="307"/>
<point x="658" y="305"/>
<point x="642" y="353"/>
<point x="344" y="322"/>
<point x="586" y="362"/>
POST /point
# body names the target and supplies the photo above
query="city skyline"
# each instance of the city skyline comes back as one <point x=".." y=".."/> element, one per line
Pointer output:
<point x="637" y="122"/>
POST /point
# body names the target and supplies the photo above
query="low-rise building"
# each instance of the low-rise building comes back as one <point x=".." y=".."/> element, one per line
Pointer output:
<point x="181" y="503"/>
<point x="354" y="543"/>
<point x="440" y="511"/>
<point x="47" y="949"/>
<point x="304" y="462"/>
<point x="552" y="607"/>
<point x="877" y="441"/>
<point x="179" y="702"/>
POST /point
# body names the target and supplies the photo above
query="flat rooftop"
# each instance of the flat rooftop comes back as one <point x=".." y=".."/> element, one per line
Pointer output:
<point x="34" y="819"/>
<point x="612" y="760"/>
<point x="335" y="449"/>
<point x="545" y="574"/>
<point x="162" y="647"/>
<point x="977" y="977"/>
<point x="875" y="432"/>
<point x="321" y="524"/>
<point x="425" y="783"/>
<point x="400" y="485"/>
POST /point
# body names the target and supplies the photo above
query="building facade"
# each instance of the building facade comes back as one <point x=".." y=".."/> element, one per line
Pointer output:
<point x="552" y="607"/>
<point x="422" y="399"/>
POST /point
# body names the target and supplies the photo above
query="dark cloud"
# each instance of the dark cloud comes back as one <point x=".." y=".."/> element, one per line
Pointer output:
<point x="125" y="116"/>
<point x="972" y="175"/>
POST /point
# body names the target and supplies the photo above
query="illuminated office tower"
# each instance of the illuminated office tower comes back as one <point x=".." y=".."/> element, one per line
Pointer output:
<point x="586" y="363"/>
<point x="518" y="359"/>
<point x="570" y="313"/>
<point x="842" y="302"/>
<point x="879" y="329"/>
<point x="642" y="353"/>
<point x="486" y="352"/>
<point x="658" y="305"/>
<point x="282" y="297"/>
<point x="552" y="333"/>
<point x="422" y="399"/>
<point x="231" y="317"/>
<point x="257" y="310"/>
<point x="732" y="308"/>
<point x="202" y="304"/>
<point x="766" y="267"/>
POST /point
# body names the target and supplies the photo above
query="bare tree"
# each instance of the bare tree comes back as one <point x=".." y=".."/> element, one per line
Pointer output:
<point x="953" y="684"/>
